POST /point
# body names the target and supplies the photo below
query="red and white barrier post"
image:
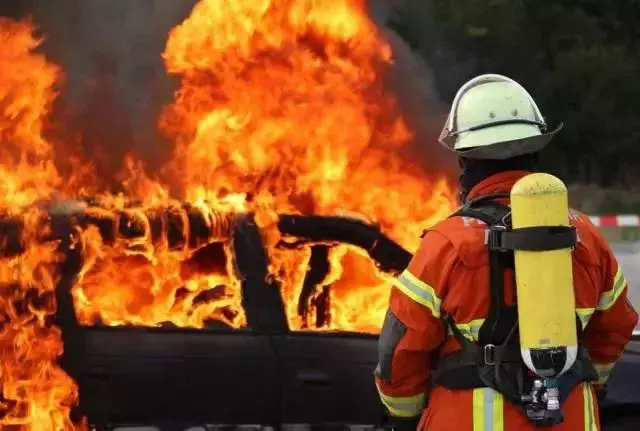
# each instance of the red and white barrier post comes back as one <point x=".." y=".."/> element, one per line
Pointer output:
<point x="620" y="220"/>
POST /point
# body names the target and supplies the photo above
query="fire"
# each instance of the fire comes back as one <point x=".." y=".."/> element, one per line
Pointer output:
<point x="144" y="282"/>
<point x="26" y="95"/>
<point x="283" y="107"/>
<point x="285" y="103"/>
<point x="36" y="393"/>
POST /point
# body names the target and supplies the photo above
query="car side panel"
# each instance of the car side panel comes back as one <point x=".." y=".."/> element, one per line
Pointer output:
<point x="328" y="378"/>
<point x="623" y="386"/>
<point x="155" y="376"/>
<point x="621" y="408"/>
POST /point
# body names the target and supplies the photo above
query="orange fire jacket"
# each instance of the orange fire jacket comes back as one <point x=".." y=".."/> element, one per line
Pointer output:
<point x="449" y="274"/>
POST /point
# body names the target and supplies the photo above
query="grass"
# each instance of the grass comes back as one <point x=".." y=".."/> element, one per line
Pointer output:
<point x="623" y="234"/>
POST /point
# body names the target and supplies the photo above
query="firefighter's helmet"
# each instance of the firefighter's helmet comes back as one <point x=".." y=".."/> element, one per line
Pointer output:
<point x="494" y="117"/>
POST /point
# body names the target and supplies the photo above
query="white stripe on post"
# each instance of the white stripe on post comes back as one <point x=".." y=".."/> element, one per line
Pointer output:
<point x="628" y="220"/>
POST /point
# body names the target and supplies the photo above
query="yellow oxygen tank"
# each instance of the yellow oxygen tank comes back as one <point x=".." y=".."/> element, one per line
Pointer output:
<point x="544" y="279"/>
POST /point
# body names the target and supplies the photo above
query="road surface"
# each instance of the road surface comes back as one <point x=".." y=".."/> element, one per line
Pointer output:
<point x="628" y="256"/>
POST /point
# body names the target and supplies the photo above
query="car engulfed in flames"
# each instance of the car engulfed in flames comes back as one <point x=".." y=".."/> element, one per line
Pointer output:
<point x="282" y="108"/>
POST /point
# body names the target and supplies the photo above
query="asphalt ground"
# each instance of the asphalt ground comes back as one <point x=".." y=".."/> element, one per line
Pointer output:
<point x="628" y="256"/>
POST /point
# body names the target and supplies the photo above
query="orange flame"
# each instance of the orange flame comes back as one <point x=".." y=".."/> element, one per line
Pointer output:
<point x="26" y="95"/>
<point x="283" y="107"/>
<point x="36" y="393"/>
<point x="285" y="104"/>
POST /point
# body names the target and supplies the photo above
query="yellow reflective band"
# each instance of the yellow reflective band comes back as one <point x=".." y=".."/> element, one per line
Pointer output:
<point x="585" y="315"/>
<point x="590" y="423"/>
<point x="604" y="370"/>
<point x="469" y="330"/>
<point x="419" y="291"/>
<point x="609" y="297"/>
<point x="406" y="407"/>
<point x="488" y="410"/>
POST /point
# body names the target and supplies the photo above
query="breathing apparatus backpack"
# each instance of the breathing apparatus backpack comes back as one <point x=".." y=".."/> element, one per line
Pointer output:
<point x="528" y="352"/>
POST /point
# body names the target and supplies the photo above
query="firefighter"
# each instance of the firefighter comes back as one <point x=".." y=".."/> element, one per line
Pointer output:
<point x="449" y="352"/>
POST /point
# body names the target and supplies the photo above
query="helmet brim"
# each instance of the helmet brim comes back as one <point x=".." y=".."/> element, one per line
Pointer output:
<point x="508" y="148"/>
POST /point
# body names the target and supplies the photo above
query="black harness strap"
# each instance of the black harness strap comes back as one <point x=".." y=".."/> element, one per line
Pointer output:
<point x="539" y="238"/>
<point x="485" y="208"/>
<point x="494" y="215"/>
<point x="460" y="370"/>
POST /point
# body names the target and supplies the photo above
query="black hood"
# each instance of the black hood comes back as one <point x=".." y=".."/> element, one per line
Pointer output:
<point x="476" y="170"/>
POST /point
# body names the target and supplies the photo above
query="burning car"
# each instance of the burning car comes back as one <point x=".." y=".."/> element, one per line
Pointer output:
<point x="156" y="277"/>
<point x="261" y="372"/>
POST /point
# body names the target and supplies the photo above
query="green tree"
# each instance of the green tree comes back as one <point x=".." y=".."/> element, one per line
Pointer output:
<point x="579" y="58"/>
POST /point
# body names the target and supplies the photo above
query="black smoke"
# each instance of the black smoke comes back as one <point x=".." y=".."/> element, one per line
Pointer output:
<point x="115" y="81"/>
<point x="415" y="85"/>
<point x="15" y="8"/>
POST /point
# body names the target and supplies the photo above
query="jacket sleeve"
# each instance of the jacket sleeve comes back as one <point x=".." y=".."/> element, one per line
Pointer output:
<point x="413" y="329"/>
<point x="613" y="321"/>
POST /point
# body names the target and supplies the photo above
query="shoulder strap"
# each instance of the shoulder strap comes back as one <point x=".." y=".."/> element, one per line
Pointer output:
<point x="485" y="208"/>
<point x="497" y="217"/>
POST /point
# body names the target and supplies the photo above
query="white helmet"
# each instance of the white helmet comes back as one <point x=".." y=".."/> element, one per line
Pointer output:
<point x="494" y="117"/>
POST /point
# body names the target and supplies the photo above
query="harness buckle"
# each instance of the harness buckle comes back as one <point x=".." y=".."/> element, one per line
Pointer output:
<point x="489" y="354"/>
<point x="494" y="240"/>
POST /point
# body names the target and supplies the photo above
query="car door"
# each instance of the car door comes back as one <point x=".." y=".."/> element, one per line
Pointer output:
<point x="620" y="409"/>
<point x="185" y="376"/>
<point x="154" y="376"/>
<point x="328" y="378"/>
